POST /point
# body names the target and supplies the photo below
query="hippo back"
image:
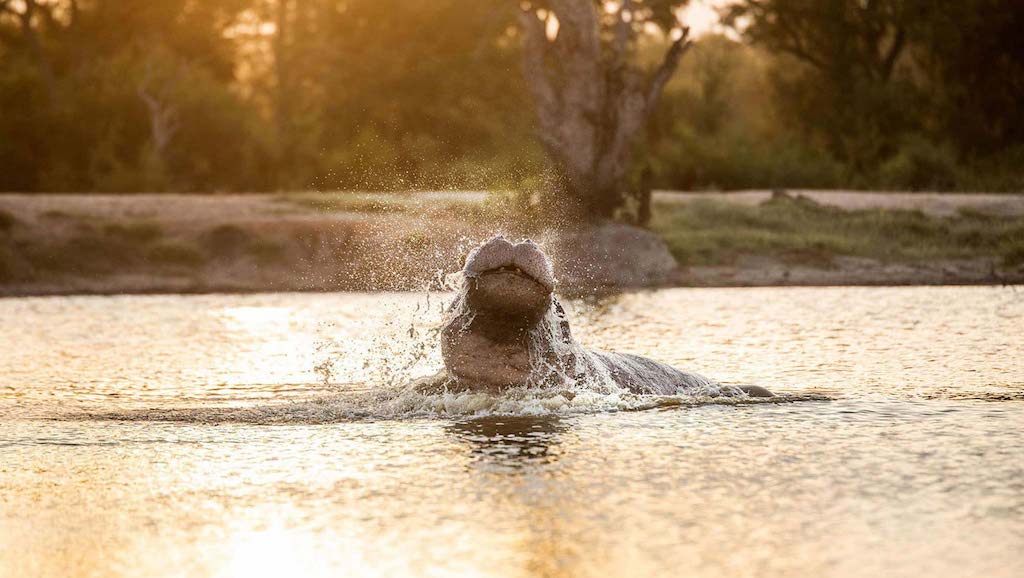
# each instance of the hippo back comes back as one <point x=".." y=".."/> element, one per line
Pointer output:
<point x="643" y="375"/>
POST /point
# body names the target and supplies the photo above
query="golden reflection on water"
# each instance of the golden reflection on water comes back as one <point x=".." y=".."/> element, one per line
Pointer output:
<point x="249" y="325"/>
<point x="280" y="551"/>
<point x="914" y="470"/>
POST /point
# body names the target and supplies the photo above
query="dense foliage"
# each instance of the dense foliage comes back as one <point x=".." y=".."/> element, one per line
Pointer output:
<point x="227" y="95"/>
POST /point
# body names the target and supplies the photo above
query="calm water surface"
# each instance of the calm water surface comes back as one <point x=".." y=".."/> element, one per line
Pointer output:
<point x="267" y="435"/>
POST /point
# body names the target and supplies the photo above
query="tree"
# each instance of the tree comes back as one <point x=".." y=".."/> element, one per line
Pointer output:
<point x="30" y="16"/>
<point x="973" y="56"/>
<point x="592" y="95"/>
<point x="847" y="91"/>
<point x="293" y="54"/>
<point x="840" y="38"/>
<point x="121" y="95"/>
<point x="419" y="94"/>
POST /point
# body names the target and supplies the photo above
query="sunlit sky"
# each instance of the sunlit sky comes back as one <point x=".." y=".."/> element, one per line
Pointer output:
<point x="701" y="17"/>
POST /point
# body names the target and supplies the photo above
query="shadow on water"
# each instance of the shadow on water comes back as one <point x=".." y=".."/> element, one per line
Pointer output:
<point x="516" y="457"/>
<point x="511" y="442"/>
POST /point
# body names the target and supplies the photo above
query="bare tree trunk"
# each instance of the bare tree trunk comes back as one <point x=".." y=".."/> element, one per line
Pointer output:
<point x="283" y="89"/>
<point x="163" y="113"/>
<point x="591" y="108"/>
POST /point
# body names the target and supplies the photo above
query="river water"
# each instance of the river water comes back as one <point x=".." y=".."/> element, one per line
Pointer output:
<point x="270" y="435"/>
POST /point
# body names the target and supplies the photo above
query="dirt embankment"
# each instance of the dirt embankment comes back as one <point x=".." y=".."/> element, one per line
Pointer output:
<point x="58" y="244"/>
<point x="62" y="244"/>
<point x="936" y="204"/>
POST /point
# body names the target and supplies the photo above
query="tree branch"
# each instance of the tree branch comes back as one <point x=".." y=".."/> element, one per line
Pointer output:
<point x="796" y="46"/>
<point x="894" y="52"/>
<point x="632" y="106"/>
<point x="667" y="69"/>
<point x="163" y="115"/>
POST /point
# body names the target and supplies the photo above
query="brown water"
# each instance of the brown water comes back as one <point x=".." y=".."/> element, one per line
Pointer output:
<point x="268" y="435"/>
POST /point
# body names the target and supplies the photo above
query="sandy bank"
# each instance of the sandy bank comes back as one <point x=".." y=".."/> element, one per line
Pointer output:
<point x="67" y="243"/>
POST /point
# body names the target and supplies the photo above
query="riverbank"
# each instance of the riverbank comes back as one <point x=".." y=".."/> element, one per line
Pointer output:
<point x="147" y="243"/>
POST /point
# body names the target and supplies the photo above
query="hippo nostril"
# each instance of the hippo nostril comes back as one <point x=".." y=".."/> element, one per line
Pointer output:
<point x="498" y="254"/>
<point x="491" y="255"/>
<point x="531" y="259"/>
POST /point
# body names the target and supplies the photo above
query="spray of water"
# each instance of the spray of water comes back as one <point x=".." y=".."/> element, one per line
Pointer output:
<point x="568" y="379"/>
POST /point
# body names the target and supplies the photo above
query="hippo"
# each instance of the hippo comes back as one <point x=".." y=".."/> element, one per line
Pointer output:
<point x="505" y="328"/>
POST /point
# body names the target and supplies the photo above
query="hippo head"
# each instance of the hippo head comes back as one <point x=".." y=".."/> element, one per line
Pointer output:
<point x="492" y="323"/>
<point x="511" y="283"/>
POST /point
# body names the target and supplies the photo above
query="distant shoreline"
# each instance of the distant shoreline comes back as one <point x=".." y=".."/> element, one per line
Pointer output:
<point x="66" y="244"/>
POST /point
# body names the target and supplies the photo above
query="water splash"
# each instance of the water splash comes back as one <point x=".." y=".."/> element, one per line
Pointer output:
<point x="404" y="348"/>
<point x="402" y="403"/>
<point x="568" y="380"/>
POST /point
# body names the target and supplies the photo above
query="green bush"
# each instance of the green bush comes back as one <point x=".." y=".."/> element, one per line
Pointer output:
<point x="226" y="240"/>
<point x="731" y="161"/>
<point x="87" y="253"/>
<point x="1011" y="246"/>
<point x="1000" y="172"/>
<point x="920" y="165"/>
<point x="177" y="254"/>
<point x="7" y="221"/>
<point x="266" y="251"/>
<point x="8" y="264"/>
<point x="1014" y="254"/>
<point x="138" y="232"/>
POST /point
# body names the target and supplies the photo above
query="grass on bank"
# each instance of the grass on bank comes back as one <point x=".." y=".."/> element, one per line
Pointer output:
<point x="98" y="249"/>
<point x="469" y="209"/>
<point x="347" y="202"/>
<point x="801" y="231"/>
<point x="794" y="230"/>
